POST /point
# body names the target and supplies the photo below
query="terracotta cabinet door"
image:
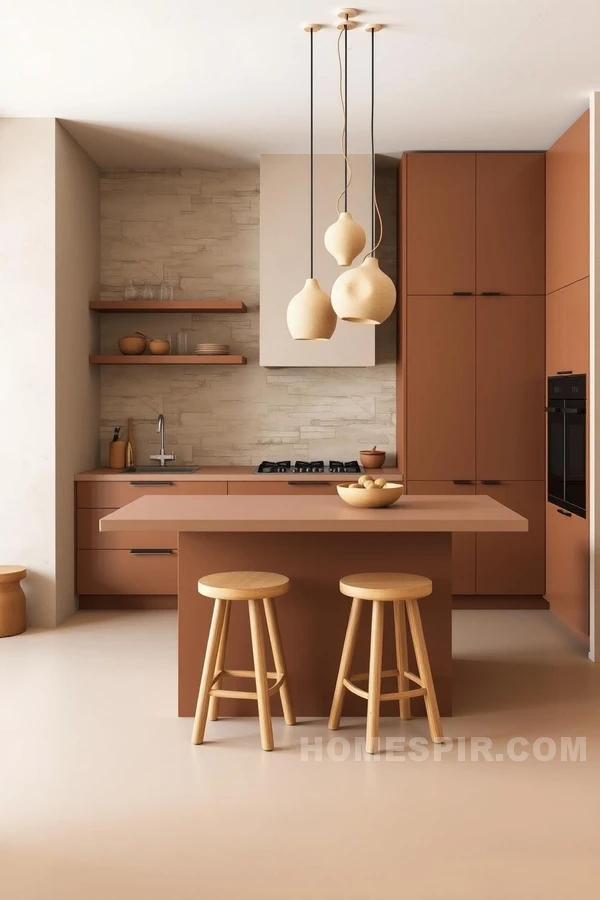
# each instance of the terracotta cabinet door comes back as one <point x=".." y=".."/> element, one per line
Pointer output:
<point x="568" y="206"/>
<point x="440" y="222"/>
<point x="463" y="545"/>
<point x="511" y="231"/>
<point x="567" y="329"/>
<point x="514" y="563"/>
<point x="556" y="348"/>
<point x="440" y="398"/>
<point x="511" y="388"/>
<point x="567" y="568"/>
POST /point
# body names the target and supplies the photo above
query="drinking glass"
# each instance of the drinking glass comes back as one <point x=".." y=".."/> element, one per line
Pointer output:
<point x="131" y="291"/>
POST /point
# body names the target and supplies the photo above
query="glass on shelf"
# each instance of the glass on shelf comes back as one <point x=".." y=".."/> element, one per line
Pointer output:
<point x="148" y="293"/>
<point x="166" y="291"/>
<point x="183" y="343"/>
<point x="131" y="292"/>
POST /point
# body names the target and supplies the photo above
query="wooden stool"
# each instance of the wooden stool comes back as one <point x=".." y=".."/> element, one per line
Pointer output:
<point x="253" y="587"/>
<point x="382" y="587"/>
<point x="12" y="600"/>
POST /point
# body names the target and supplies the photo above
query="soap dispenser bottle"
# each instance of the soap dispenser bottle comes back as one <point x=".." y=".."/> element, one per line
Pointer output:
<point x="116" y="451"/>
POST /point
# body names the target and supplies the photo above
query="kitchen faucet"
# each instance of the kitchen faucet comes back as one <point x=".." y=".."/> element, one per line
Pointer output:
<point x="162" y="457"/>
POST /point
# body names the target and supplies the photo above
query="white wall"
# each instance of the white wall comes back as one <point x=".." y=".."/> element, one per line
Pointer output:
<point x="77" y="214"/>
<point x="27" y="382"/>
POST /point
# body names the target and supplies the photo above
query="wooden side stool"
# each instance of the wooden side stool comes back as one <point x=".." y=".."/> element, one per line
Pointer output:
<point x="401" y="590"/>
<point x="258" y="588"/>
<point x="12" y="601"/>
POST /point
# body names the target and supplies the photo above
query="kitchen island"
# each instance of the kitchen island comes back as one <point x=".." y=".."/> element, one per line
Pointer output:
<point x="314" y="540"/>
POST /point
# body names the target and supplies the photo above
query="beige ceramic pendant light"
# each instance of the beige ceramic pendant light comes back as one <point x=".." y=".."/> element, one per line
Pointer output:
<point x="366" y="295"/>
<point x="310" y="315"/>
<point x="345" y="238"/>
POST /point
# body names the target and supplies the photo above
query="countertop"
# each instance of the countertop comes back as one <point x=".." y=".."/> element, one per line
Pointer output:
<point x="229" y="473"/>
<point x="317" y="513"/>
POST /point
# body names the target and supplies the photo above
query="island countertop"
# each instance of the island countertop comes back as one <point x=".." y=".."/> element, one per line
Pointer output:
<point x="417" y="513"/>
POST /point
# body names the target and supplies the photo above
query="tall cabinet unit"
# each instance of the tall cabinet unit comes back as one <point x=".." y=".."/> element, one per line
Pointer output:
<point x="567" y="350"/>
<point x="471" y="370"/>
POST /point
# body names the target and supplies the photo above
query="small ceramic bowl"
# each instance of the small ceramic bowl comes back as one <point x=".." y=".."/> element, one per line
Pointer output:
<point x="159" y="347"/>
<point x="132" y="344"/>
<point x="375" y="498"/>
<point x="372" y="459"/>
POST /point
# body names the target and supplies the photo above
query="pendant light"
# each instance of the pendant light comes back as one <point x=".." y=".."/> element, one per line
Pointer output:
<point x="345" y="238"/>
<point x="366" y="295"/>
<point x="310" y="315"/>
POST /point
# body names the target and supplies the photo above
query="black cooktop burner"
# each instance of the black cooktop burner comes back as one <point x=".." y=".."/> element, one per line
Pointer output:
<point x="304" y="467"/>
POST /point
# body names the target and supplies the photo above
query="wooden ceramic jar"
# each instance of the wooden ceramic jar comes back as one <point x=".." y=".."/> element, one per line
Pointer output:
<point x="12" y="600"/>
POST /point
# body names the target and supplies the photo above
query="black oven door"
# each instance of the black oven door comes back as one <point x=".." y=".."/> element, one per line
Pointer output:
<point x="556" y="454"/>
<point x="575" y="456"/>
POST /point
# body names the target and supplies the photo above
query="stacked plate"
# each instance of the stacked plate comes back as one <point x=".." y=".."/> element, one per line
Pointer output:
<point x="211" y="349"/>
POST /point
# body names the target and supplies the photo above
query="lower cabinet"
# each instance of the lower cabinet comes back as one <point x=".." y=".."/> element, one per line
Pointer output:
<point x="567" y="568"/>
<point x="498" y="564"/>
<point x="135" y="571"/>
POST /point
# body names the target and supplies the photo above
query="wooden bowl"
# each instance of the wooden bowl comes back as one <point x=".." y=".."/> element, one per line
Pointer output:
<point x="159" y="347"/>
<point x="132" y="344"/>
<point x="376" y="498"/>
<point x="372" y="459"/>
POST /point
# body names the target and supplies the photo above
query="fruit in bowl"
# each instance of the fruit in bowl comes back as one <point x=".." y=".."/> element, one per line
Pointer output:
<point x="369" y="493"/>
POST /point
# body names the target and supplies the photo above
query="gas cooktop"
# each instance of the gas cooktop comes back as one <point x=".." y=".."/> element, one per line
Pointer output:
<point x="302" y="467"/>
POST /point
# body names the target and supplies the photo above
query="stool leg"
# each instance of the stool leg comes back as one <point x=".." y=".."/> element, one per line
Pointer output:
<point x="213" y="705"/>
<point x="260" y="673"/>
<point x="374" y="701"/>
<point x="208" y="671"/>
<point x="279" y="660"/>
<point x="345" y="663"/>
<point x="401" y="655"/>
<point x="416" y="630"/>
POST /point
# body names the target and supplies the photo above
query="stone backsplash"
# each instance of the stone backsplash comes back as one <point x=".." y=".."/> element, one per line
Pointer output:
<point x="200" y="231"/>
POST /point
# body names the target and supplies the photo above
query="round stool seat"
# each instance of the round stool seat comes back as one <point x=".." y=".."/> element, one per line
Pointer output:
<point x="10" y="574"/>
<point x="386" y="586"/>
<point x="243" y="585"/>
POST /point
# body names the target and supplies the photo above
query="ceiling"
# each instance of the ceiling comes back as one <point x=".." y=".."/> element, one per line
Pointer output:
<point x="147" y="83"/>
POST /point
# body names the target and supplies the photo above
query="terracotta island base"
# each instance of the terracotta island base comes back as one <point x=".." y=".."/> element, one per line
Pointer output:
<point x="314" y="541"/>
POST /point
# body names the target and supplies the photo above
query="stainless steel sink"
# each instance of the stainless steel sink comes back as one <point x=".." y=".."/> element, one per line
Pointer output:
<point x="161" y="470"/>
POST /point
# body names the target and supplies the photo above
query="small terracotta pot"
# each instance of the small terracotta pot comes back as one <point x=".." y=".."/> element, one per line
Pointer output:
<point x="372" y="459"/>
<point x="133" y="344"/>
<point x="159" y="347"/>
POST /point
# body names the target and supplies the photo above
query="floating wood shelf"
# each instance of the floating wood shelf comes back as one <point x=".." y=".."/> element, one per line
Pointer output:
<point x="149" y="360"/>
<point x="169" y="306"/>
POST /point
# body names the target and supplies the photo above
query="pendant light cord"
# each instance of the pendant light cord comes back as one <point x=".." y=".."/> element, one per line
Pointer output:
<point x="343" y="89"/>
<point x="312" y="161"/>
<point x="374" y="205"/>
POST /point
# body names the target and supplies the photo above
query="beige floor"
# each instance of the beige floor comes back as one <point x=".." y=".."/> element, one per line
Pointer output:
<point x="102" y="796"/>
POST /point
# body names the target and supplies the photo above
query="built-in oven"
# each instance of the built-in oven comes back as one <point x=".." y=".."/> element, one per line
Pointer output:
<point x="567" y="442"/>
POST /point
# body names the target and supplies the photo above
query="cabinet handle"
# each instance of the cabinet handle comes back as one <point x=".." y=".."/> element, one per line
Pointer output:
<point x="152" y="552"/>
<point x="151" y="483"/>
<point x="564" y="513"/>
<point x="462" y="481"/>
<point x="490" y="481"/>
<point x="491" y="293"/>
<point x="565" y="372"/>
<point x="462" y="293"/>
<point x="303" y="483"/>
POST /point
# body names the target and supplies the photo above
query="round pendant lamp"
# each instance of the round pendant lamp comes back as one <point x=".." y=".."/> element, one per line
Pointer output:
<point x="310" y="315"/>
<point x="366" y="295"/>
<point x="345" y="238"/>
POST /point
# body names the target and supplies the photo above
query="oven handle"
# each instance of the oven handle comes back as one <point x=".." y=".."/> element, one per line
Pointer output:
<point x="572" y="410"/>
<point x="553" y="409"/>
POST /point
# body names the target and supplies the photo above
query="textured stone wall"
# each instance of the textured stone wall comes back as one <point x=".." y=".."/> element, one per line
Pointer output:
<point x="199" y="230"/>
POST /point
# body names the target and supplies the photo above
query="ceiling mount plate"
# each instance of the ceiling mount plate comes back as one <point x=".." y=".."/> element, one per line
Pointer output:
<point x="312" y="27"/>
<point x="347" y="14"/>
<point x="374" y="27"/>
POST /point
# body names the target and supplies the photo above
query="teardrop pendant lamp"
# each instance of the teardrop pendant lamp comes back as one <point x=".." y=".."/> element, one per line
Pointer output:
<point x="345" y="238"/>
<point x="310" y="315"/>
<point x="366" y="295"/>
